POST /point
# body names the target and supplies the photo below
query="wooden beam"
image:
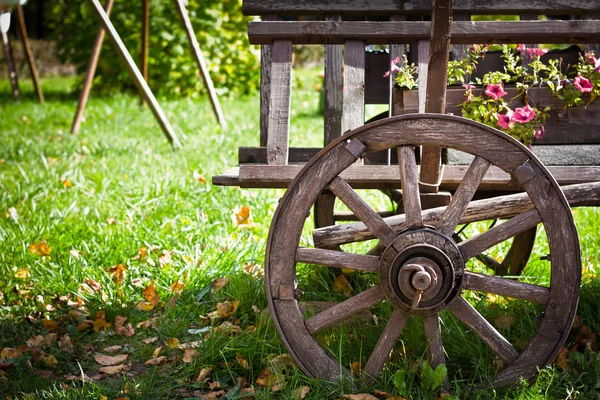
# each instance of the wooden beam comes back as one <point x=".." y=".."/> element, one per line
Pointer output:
<point x="135" y="74"/>
<point x="90" y="73"/>
<point x="29" y="54"/>
<point x="12" y="71"/>
<point x="463" y="32"/>
<point x="145" y="39"/>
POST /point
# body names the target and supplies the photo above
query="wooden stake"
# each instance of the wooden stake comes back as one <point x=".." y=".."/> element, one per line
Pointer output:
<point x="12" y="71"/>
<point x="145" y="39"/>
<point x="197" y="53"/>
<point x="135" y="74"/>
<point x="29" y="53"/>
<point x="90" y="73"/>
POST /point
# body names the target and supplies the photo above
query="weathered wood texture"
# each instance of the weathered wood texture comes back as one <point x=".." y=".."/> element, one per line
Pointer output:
<point x="145" y="42"/>
<point x="463" y="32"/>
<point x="30" y="60"/>
<point x="433" y="333"/>
<point x="387" y="341"/>
<point x="410" y="186"/>
<point x="266" y="51"/>
<point x="90" y="72"/>
<point x="333" y="89"/>
<point x="354" y="85"/>
<point x="386" y="7"/>
<point x="506" y="287"/>
<point x="338" y="259"/>
<point x="12" y="70"/>
<point x="279" y="104"/>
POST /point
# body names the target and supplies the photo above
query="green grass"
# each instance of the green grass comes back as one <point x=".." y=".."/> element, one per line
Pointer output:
<point x="118" y="187"/>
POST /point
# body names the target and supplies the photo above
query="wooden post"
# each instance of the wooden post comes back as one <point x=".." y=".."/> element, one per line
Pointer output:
<point x="135" y="74"/>
<point x="12" y="71"/>
<point x="437" y="79"/>
<point x="145" y="41"/>
<point x="91" y="71"/>
<point x="197" y="53"/>
<point x="29" y="53"/>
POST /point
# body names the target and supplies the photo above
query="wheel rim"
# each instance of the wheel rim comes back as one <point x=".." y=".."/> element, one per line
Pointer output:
<point x="490" y="148"/>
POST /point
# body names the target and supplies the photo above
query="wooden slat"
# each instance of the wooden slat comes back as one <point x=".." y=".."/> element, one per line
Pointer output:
<point x="478" y="244"/>
<point x="266" y="52"/>
<point x="386" y="7"/>
<point x="423" y="71"/>
<point x="410" y="186"/>
<point x="363" y="211"/>
<point x="463" y="32"/>
<point x="506" y="287"/>
<point x="433" y="333"/>
<point x="337" y="259"/>
<point x="498" y="207"/>
<point x="278" y="135"/>
<point x="459" y="51"/>
<point x="354" y="85"/>
<point x="258" y="155"/>
<point x="463" y="196"/>
<point x="336" y="314"/>
<point x="387" y="340"/>
<point x="29" y="54"/>
<point x="333" y="89"/>
<point x="470" y="317"/>
<point x="12" y="71"/>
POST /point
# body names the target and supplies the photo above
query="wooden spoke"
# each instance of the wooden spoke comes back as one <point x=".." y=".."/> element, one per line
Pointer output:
<point x="409" y="176"/>
<point x="498" y="234"/>
<point x="339" y="259"/>
<point x="463" y="196"/>
<point x="363" y="211"/>
<point x="506" y="287"/>
<point x="433" y="334"/>
<point x="336" y="314"/>
<point x="475" y="321"/>
<point x="386" y="342"/>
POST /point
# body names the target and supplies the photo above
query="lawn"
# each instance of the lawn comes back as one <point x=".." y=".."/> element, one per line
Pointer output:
<point x="112" y="244"/>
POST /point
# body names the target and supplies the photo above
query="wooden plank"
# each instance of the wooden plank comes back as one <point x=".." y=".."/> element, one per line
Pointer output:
<point x="463" y="196"/>
<point x="280" y="100"/>
<point x="90" y="73"/>
<point x="135" y="74"/>
<point x="470" y="317"/>
<point x="333" y="89"/>
<point x="595" y="47"/>
<point x="459" y="51"/>
<point x="497" y="207"/>
<point x="200" y="62"/>
<point x="30" y="60"/>
<point x="433" y="334"/>
<point x="258" y="155"/>
<point x="423" y="70"/>
<point x="409" y="176"/>
<point x="478" y="244"/>
<point x="12" y="71"/>
<point x="266" y="52"/>
<point x="353" y="115"/>
<point x="389" y="337"/>
<point x="338" y="259"/>
<point x="336" y="314"/>
<point x="506" y="287"/>
<point x="463" y="32"/>
<point x="387" y="177"/>
<point x="386" y="7"/>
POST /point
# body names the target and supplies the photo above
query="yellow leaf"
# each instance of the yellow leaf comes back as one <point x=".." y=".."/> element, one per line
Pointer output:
<point x="145" y="306"/>
<point x="85" y="325"/>
<point x="40" y="249"/>
<point x="156" y="352"/>
<point x="172" y="343"/>
<point x="117" y="273"/>
<point x="177" y="286"/>
<point x="103" y="398"/>
<point x="356" y="368"/>
<point x="49" y="360"/>
<point x="219" y="283"/>
<point x="243" y="216"/>
<point x="226" y="309"/>
<point x="150" y="294"/>
<point x="241" y="361"/>
<point x="341" y="285"/>
<point x="189" y="355"/>
<point x="101" y="324"/>
<point x="9" y="352"/>
<point x="50" y="325"/>
<point x="22" y="273"/>
<point x="199" y="177"/>
<point x="562" y="359"/>
<point x="110" y="360"/>
<point x="67" y="183"/>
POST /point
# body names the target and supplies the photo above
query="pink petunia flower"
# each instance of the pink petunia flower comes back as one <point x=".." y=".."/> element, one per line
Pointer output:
<point x="521" y="47"/>
<point x="394" y="67"/>
<point x="523" y="114"/>
<point x="596" y="63"/>
<point x="536" y="51"/>
<point x="495" y="91"/>
<point x="582" y="84"/>
<point x="469" y="92"/>
<point x="539" y="132"/>
<point x="505" y="120"/>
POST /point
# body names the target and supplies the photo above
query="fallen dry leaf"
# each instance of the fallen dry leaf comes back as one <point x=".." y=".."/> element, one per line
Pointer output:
<point x="117" y="273"/>
<point x="112" y="369"/>
<point x="172" y="343"/>
<point x="93" y="284"/>
<point x="203" y="374"/>
<point x="156" y="361"/>
<point x="67" y="344"/>
<point x="165" y="258"/>
<point x="177" y="287"/>
<point x="242" y="216"/>
<point x="112" y="349"/>
<point x="101" y="324"/>
<point x="241" y="361"/>
<point x="150" y="340"/>
<point x="227" y="308"/>
<point x="121" y="328"/>
<point x="9" y="352"/>
<point x="562" y="359"/>
<point x="254" y="270"/>
<point x="156" y="352"/>
<point x="85" y="325"/>
<point x="505" y="322"/>
<point x="300" y="393"/>
<point x="360" y="396"/>
<point x="22" y="273"/>
<point x="67" y="183"/>
<point x="75" y="253"/>
<point x="189" y="355"/>
<point x="110" y="360"/>
<point x="356" y="368"/>
<point x="37" y="341"/>
<point x="268" y="380"/>
<point x="110" y="221"/>
<point x="40" y="249"/>
<point x="49" y="360"/>
<point x="189" y="345"/>
<point x="50" y="325"/>
<point x="152" y="298"/>
<point x="219" y="283"/>
<point x="341" y="285"/>
<point x="199" y="177"/>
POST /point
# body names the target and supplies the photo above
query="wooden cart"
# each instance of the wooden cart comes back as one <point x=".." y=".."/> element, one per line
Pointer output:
<point x="419" y="263"/>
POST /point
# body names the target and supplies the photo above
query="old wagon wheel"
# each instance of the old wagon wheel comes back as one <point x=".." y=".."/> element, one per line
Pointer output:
<point x="422" y="270"/>
<point x="520" y="249"/>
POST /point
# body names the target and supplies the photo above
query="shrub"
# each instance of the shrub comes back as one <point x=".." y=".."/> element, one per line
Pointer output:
<point x="219" y="25"/>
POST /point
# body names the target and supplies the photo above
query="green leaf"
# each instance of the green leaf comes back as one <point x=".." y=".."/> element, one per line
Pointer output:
<point x="426" y="376"/>
<point x="400" y="381"/>
<point x="439" y="376"/>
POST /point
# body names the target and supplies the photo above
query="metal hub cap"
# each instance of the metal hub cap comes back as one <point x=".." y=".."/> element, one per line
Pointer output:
<point x="421" y="272"/>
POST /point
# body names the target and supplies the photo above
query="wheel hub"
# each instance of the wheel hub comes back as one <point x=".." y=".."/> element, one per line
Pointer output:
<point x="421" y="271"/>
